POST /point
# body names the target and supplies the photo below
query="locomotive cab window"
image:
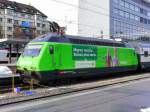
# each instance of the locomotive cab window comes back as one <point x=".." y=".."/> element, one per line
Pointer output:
<point x="146" y="53"/>
<point x="32" y="50"/>
<point x="51" y="50"/>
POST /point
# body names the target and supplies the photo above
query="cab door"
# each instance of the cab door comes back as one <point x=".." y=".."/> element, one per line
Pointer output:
<point x="51" y="51"/>
<point x="55" y="56"/>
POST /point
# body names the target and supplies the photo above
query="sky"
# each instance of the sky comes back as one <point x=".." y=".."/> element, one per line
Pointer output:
<point x="54" y="10"/>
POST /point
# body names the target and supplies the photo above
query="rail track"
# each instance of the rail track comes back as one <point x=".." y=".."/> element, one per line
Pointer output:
<point x="64" y="82"/>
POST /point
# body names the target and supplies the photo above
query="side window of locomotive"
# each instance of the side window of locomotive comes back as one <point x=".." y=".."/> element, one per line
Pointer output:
<point x="146" y="53"/>
<point x="51" y="50"/>
<point x="32" y="50"/>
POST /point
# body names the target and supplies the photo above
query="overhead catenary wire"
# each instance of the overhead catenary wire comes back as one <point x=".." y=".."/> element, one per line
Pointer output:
<point x="74" y="22"/>
<point x="86" y="9"/>
<point x="89" y="10"/>
<point x="94" y="5"/>
<point x="83" y="8"/>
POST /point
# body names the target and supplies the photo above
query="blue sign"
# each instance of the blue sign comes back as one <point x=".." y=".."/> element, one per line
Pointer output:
<point x="28" y="92"/>
<point x="25" y="24"/>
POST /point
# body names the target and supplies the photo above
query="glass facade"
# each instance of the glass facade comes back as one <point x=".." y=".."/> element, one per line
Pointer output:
<point x="129" y="18"/>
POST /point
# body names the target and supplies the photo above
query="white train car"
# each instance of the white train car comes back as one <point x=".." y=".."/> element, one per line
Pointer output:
<point x="144" y="55"/>
<point x="3" y="56"/>
<point x="143" y="52"/>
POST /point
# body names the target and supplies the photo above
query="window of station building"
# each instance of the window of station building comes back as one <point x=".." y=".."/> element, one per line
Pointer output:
<point x="141" y="10"/>
<point x="127" y="5"/>
<point x="43" y="32"/>
<point x="26" y="16"/>
<point x="9" y="20"/>
<point x="145" y="21"/>
<point x="121" y="13"/>
<point x="2" y="11"/>
<point x="40" y="18"/>
<point x="43" y="25"/>
<point x="122" y="3"/>
<point x="132" y="7"/>
<point x="38" y="25"/>
<point x="30" y="16"/>
<point x="38" y="32"/>
<point x="16" y="22"/>
<point x="9" y="36"/>
<point x="122" y="24"/>
<point x="141" y="19"/>
<point x="132" y="16"/>
<point x="148" y="13"/>
<point x="44" y="18"/>
<point x="15" y="14"/>
<point x="128" y="26"/>
<point x="116" y="1"/>
<point x="32" y="24"/>
<point x="144" y="12"/>
<point x="22" y="15"/>
<point x="137" y="18"/>
<point x="118" y="23"/>
<point x="18" y="15"/>
<point x="9" y="12"/>
<point x="127" y="15"/>
<point x="137" y="9"/>
<point x="115" y="22"/>
<point x="116" y="11"/>
<point x="9" y="28"/>
<point x="1" y="19"/>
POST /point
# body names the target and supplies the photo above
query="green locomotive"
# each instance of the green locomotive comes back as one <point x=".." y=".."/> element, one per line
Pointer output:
<point x="54" y="56"/>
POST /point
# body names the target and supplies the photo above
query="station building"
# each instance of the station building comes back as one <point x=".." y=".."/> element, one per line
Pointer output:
<point x="129" y="19"/>
<point x="19" y="23"/>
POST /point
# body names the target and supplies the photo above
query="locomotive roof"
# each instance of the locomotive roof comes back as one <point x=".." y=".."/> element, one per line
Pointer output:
<point x="53" y="37"/>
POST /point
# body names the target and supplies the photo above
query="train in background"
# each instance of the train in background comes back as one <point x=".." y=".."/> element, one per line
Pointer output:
<point x="143" y="51"/>
<point x="4" y="56"/>
<point x="52" y="56"/>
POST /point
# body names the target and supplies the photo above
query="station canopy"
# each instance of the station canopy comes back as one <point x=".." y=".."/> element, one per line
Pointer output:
<point x="14" y="41"/>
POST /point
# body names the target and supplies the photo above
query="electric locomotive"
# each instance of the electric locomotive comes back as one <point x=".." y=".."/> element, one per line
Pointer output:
<point x="53" y="56"/>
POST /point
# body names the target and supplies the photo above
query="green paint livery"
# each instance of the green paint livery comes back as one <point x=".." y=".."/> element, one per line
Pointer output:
<point x="65" y="55"/>
<point x="49" y="59"/>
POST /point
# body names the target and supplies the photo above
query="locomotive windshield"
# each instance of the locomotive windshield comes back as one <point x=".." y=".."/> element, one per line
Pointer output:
<point x="32" y="50"/>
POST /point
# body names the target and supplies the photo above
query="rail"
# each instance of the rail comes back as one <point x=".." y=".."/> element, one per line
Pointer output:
<point x="42" y="91"/>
